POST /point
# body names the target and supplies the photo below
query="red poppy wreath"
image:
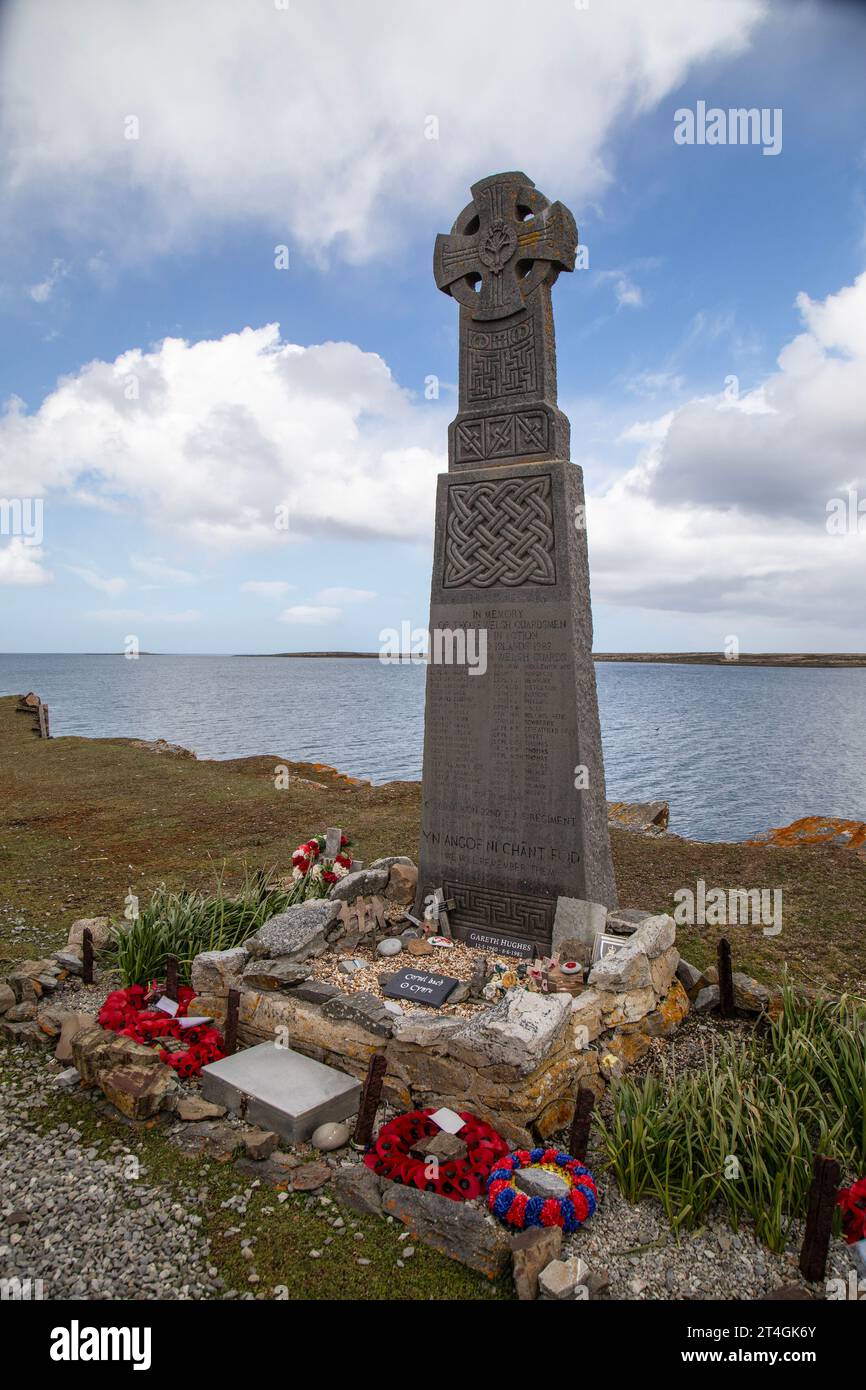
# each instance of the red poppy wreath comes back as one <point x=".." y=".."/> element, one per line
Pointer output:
<point x="394" y="1155"/>
<point x="126" y="1012"/>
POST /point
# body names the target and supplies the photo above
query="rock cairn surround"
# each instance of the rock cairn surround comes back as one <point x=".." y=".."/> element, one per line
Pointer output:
<point x="517" y="1064"/>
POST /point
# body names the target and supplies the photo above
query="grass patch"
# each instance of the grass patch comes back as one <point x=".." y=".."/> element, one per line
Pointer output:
<point x="743" y="1129"/>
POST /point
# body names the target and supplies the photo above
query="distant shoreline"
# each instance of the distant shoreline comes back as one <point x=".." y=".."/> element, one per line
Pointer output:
<point x="848" y="660"/>
<point x="782" y="660"/>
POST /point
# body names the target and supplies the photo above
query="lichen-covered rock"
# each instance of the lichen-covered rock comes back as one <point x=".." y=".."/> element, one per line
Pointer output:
<point x="100" y="930"/>
<point x="298" y="933"/>
<point x="624" y="921"/>
<point x="669" y="1014"/>
<point x="461" y="1230"/>
<point x="363" y="1008"/>
<point x="22" y="1013"/>
<point x="586" y="1016"/>
<point x="139" y="1091"/>
<point x="817" y="830"/>
<point x="707" y="998"/>
<point x="561" y="1278"/>
<point x="627" y="1007"/>
<point x="402" y="885"/>
<point x="627" y="969"/>
<point x="133" y="1077"/>
<point x="689" y="976"/>
<point x="275" y="974"/>
<point x="425" y="1029"/>
<point x="663" y="970"/>
<point x="628" y="1047"/>
<point x="362" y="883"/>
<point x="357" y="1186"/>
<point x="646" y="817"/>
<point x="216" y="972"/>
<point x="517" y="1032"/>
<point x="7" y="997"/>
<point x="531" y="1251"/>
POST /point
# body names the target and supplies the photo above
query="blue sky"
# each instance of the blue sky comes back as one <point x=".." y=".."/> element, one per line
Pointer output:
<point x="146" y="266"/>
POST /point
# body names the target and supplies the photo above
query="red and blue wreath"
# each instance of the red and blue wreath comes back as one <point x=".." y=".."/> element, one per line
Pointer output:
<point x="518" y="1210"/>
<point x="462" y="1179"/>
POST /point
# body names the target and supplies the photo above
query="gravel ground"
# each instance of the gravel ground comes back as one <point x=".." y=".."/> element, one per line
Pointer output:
<point x="80" y="1223"/>
<point x="644" y="1259"/>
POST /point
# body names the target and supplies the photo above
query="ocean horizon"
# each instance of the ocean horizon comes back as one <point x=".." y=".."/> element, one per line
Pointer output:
<point x="733" y="748"/>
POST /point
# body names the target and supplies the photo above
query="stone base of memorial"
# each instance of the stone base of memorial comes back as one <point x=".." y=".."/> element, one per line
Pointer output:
<point x="517" y="1065"/>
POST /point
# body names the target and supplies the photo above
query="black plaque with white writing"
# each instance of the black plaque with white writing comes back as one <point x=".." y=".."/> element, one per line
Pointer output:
<point x="500" y="945"/>
<point x="421" y="985"/>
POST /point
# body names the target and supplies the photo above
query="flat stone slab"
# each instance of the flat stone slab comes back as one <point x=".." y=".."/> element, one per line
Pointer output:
<point x="281" y="1090"/>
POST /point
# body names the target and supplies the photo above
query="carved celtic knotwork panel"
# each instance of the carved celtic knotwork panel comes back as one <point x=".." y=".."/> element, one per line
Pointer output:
<point x="520" y="434"/>
<point x="499" y="533"/>
<point x="501" y="363"/>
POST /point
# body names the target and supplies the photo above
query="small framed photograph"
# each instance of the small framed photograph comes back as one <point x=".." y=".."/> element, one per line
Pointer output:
<point x="605" y="945"/>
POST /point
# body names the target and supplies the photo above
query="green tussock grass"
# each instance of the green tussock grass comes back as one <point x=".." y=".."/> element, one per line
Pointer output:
<point x="184" y="923"/>
<point x="742" y="1130"/>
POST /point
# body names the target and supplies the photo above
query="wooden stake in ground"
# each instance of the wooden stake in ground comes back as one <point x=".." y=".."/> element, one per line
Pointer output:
<point x="171" y="978"/>
<point x="87" y="956"/>
<point x="578" y="1141"/>
<point x="726" y="980"/>
<point x="231" y="1034"/>
<point x="369" y="1102"/>
<point x="819" y="1218"/>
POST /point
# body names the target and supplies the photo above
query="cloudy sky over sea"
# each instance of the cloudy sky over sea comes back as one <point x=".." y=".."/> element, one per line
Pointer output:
<point x="216" y="301"/>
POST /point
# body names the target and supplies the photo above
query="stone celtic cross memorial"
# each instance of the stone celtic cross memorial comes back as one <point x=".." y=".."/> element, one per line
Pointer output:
<point x="514" y="809"/>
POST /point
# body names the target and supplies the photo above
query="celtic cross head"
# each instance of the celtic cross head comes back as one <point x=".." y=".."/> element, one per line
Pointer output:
<point x="506" y="243"/>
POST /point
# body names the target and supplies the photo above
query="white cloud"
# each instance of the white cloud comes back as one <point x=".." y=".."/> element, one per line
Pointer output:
<point x="311" y="119"/>
<point x="266" y="588"/>
<point x="225" y="432"/>
<point x="628" y="294"/>
<point x="725" y="510"/>
<point x="96" y="581"/>
<point x="43" y="291"/>
<point x="345" y="595"/>
<point x="785" y="448"/>
<point x="22" y="564"/>
<point x="308" y="615"/>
